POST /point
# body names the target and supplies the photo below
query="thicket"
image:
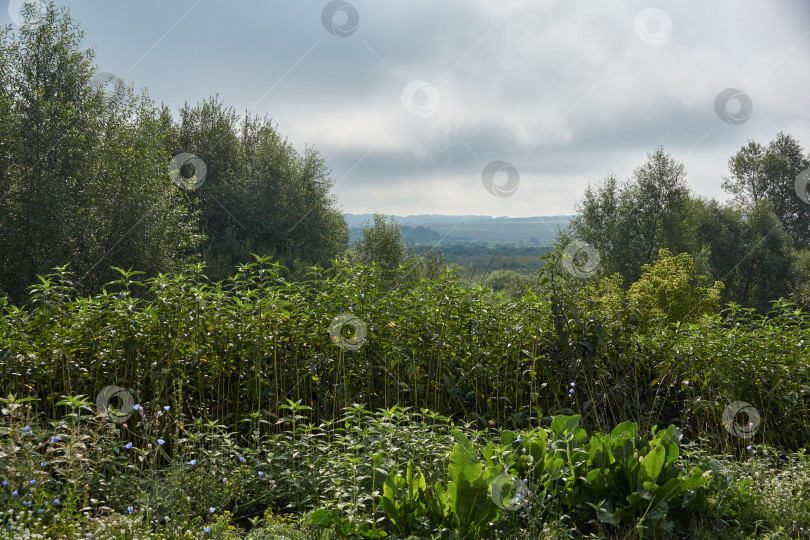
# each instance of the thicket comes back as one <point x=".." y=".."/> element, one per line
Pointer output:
<point x="239" y="349"/>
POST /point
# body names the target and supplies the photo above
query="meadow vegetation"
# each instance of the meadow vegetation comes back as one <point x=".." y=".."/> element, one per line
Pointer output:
<point x="159" y="380"/>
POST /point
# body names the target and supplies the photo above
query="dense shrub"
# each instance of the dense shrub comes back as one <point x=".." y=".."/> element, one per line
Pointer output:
<point x="240" y="349"/>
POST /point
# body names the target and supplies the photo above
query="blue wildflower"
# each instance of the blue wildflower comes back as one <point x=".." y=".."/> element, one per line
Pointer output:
<point x="161" y="441"/>
<point x="261" y="473"/>
<point x="193" y="462"/>
<point x="212" y="509"/>
<point x="137" y="406"/>
<point x="56" y="501"/>
<point x="32" y="482"/>
<point x="14" y="493"/>
<point x="128" y="445"/>
<point x="241" y="458"/>
<point x="54" y="439"/>
<point x="130" y="509"/>
<point x="27" y="429"/>
<point x="167" y="407"/>
<point x="206" y="529"/>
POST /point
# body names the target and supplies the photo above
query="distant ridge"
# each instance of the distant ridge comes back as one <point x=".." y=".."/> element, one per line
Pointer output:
<point x="443" y="229"/>
<point x="355" y="220"/>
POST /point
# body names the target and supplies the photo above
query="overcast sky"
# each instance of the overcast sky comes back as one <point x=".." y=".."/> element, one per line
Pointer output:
<point x="409" y="101"/>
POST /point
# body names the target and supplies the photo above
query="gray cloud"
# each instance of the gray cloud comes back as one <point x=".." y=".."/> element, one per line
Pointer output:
<point x="565" y="91"/>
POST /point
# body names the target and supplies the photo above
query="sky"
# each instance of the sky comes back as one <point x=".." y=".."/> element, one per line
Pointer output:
<point x="487" y="107"/>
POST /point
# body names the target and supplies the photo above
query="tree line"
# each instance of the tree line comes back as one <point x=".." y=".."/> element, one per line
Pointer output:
<point x="86" y="179"/>
<point x="756" y="244"/>
<point x="84" y="175"/>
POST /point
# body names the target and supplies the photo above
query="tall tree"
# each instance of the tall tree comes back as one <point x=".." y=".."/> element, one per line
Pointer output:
<point x="381" y="243"/>
<point x="259" y="194"/>
<point x="629" y="223"/>
<point x="747" y="183"/>
<point x="770" y="173"/>
<point x="83" y="177"/>
<point x="749" y="251"/>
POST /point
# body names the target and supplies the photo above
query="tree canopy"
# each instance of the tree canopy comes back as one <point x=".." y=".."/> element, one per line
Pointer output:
<point x="85" y="175"/>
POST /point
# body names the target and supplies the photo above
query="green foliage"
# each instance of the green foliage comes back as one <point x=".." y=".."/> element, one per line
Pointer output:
<point x="800" y="278"/>
<point x="511" y="282"/>
<point x="769" y="173"/>
<point x="83" y="179"/>
<point x="403" y="500"/>
<point x="243" y="348"/>
<point x="749" y="251"/>
<point x="629" y="223"/>
<point x="260" y="195"/>
<point x="619" y="479"/>
<point x="71" y="152"/>
<point x="746" y="245"/>
<point x="381" y="243"/>
<point x="670" y="289"/>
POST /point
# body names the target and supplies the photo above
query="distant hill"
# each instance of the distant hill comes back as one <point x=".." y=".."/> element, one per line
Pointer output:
<point x="445" y="230"/>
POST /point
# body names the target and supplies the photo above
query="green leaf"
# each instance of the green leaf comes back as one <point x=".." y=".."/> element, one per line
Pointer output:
<point x="605" y="513"/>
<point x="625" y="429"/>
<point x="324" y="518"/>
<point x="652" y="463"/>
<point x="464" y="462"/>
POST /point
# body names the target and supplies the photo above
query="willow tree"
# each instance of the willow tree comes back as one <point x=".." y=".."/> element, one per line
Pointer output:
<point x="83" y="174"/>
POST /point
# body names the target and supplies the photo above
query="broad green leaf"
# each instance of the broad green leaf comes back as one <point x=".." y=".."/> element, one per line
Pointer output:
<point x="652" y="463"/>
